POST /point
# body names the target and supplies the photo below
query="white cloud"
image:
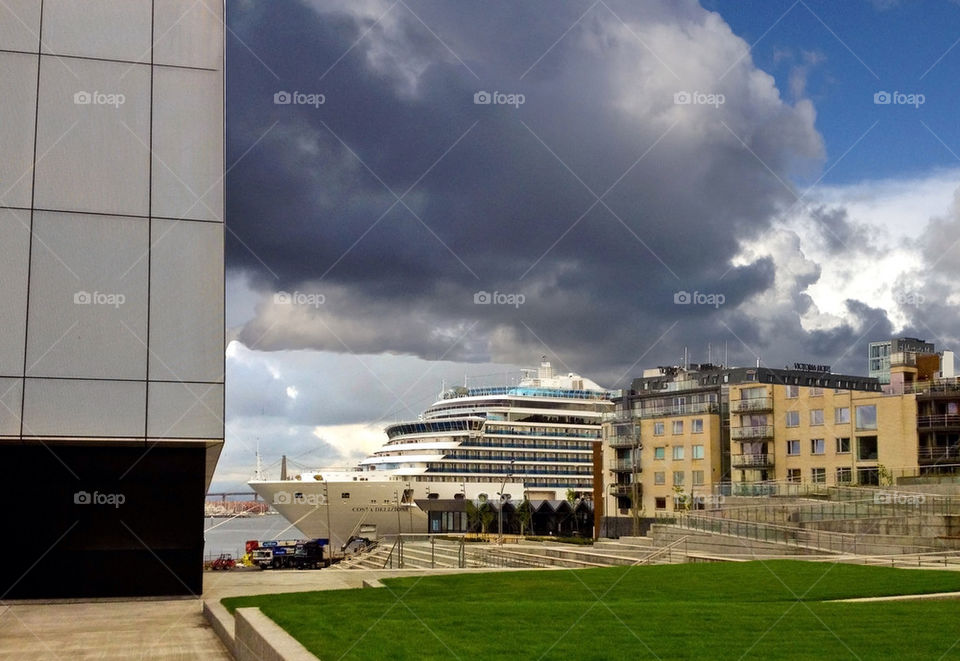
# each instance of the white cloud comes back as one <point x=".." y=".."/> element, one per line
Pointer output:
<point x="875" y="263"/>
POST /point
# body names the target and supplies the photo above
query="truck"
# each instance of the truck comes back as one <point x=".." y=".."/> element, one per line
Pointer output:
<point x="289" y="553"/>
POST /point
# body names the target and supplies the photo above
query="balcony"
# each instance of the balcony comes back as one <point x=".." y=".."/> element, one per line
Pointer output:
<point x="625" y="490"/>
<point x="624" y="441"/>
<point x="939" y="454"/>
<point x="624" y="465"/>
<point x="617" y="416"/>
<point x="938" y="421"/>
<point x="751" y="405"/>
<point x="679" y="409"/>
<point x="935" y="389"/>
<point x="747" y="433"/>
<point x="751" y="461"/>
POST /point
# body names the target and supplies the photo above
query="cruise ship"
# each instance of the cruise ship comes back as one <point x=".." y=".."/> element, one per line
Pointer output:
<point x="533" y="440"/>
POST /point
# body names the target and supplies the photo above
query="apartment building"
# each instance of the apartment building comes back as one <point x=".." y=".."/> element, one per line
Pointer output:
<point x="818" y="434"/>
<point x="682" y="435"/>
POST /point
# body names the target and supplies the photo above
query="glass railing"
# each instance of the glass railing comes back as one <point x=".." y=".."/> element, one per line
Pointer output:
<point x="755" y="404"/>
<point x="528" y="391"/>
<point x="623" y="441"/>
<point x="751" y="460"/>
<point x="517" y="432"/>
<point x="572" y="459"/>
<point x="524" y="446"/>
<point x="624" y="465"/>
<point x="760" y="431"/>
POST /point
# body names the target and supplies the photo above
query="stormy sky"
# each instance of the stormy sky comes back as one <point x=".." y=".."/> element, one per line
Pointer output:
<point x="417" y="191"/>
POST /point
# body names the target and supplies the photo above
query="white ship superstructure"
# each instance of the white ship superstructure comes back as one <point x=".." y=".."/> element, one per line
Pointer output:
<point x="534" y="439"/>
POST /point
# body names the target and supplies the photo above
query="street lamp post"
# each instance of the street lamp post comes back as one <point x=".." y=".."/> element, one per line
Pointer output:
<point x="500" y="509"/>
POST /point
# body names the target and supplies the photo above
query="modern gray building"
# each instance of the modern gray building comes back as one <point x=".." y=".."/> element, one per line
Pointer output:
<point x="879" y="353"/>
<point x="111" y="304"/>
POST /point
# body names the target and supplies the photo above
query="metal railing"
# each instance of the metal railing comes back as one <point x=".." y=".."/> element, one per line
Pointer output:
<point x="754" y="404"/>
<point x="666" y="550"/>
<point x="449" y="544"/>
<point x="944" y="420"/>
<point x="938" y="453"/>
<point x="751" y="460"/>
<point x="624" y="441"/>
<point x="758" y="431"/>
<point x="625" y="489"/>
<point x="681" y="409"/>
<point x="940" y="387"/>
<point x="834" y="542"/>
<point x="624" y="465"/>
<point x="882" y="503"/>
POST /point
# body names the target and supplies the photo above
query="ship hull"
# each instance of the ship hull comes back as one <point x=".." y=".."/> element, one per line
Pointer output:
<point x="339" y="510"/>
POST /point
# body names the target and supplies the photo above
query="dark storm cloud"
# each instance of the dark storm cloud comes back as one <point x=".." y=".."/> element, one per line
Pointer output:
<point x="503" y="199"/>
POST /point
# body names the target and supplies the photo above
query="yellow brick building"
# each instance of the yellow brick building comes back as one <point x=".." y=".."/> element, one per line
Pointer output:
<point x="681" y="438"/>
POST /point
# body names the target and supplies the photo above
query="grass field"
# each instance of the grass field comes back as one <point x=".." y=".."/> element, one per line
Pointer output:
<point x="755" y="610"/>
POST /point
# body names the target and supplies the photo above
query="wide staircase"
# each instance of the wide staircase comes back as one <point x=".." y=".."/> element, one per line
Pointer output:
<point x="420" y="553"/>
<point x="845" y="524"/>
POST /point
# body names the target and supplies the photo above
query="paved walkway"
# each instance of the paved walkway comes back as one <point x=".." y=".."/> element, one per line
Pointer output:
<point x="906" y="597"/>
<point x="157" y="630"/>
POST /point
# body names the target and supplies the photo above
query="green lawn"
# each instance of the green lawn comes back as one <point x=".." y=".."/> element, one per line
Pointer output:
<point x="755" y="610"/>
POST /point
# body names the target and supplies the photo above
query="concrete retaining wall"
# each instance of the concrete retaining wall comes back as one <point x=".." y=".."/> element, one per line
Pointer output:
<point x="252" y="636"/>
<point x="258" y="638"/>
<point x="920" y="530"/>
<point x="222" y="623"/>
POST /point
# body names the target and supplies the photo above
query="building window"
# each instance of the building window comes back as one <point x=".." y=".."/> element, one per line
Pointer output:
<point x="818" y="475"/>
<point x="793" y="392"/>
<point x="867" y="448"/>
<point x="678" y="452"/>
<point x="660" y="478"/>
<point x="658" y="429"/>
<point x="793" y="475"/>
<point x="677" y="427"/>
<point x="816" y="392"/>
<point x="345" y="495"/>
<point x="660" y="453"/>
<point x="698" y="452"/>
<point x="660" y="503"/>
<point x="816" y="417"/>
<point x="844" y="475"/>
<point x="793" y="418"/>
<point x="696" y="426"/>
<point x="678" y="478"/>
<point x="867" y="417"/>
<point x="793" y="448"/>
<point x="841" y="415"/>
<point x="818" y="446"/>
<point x="697" y="478"/>
<point x="843" y="446"/>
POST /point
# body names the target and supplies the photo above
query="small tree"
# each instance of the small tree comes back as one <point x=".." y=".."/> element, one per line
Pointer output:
<point x="486" y="516"/>
<point x="574" y="501"/>
<point x="884" y="476"/>
<point x="480" y="515"/>
<point x="682" y="503"/>
<point x="525" y="515"/>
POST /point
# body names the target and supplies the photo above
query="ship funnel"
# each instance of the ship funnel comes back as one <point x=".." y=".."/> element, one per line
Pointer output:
<point x="546" y="369"/>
